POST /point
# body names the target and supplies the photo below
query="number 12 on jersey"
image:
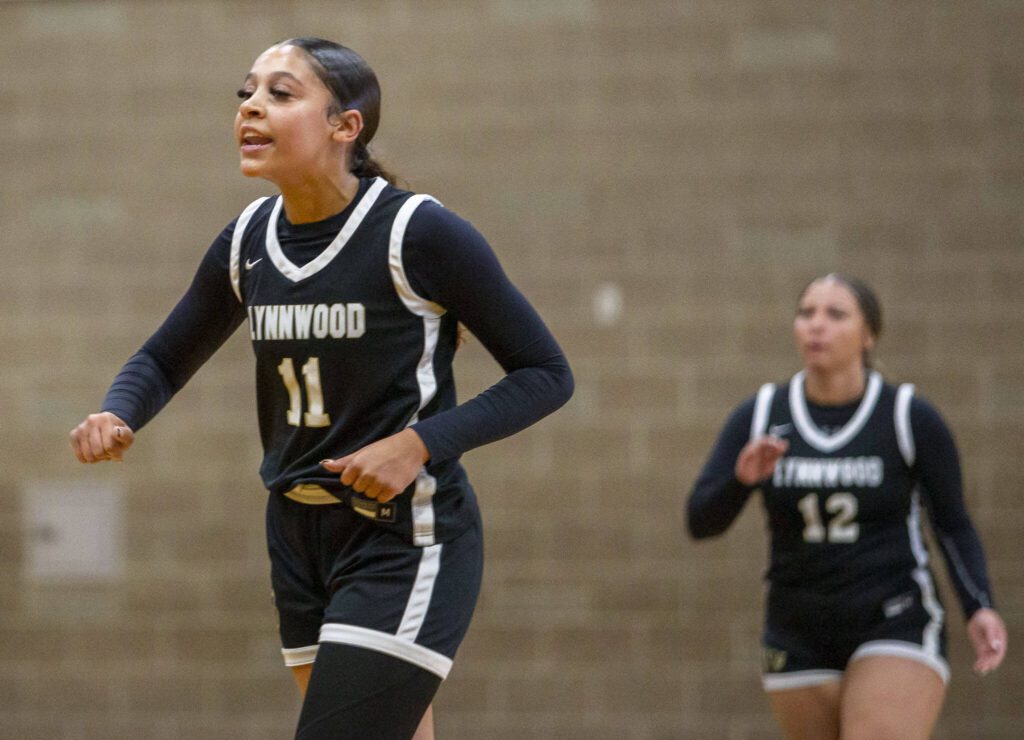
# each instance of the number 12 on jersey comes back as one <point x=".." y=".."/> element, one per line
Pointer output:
<point x="315" y="417"/>
<point x="841" y="527"/>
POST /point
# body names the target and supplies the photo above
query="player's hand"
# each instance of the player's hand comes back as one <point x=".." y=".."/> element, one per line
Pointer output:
<point x="384" y="469"/>
<point x="757" y="459"/>
<point x="988" y="635"/>
<point x="101" y="437"/>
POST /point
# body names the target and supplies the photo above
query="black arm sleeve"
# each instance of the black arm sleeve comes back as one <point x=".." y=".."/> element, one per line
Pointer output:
<point x="718" y="497"/>
<point x="202" y="321"/>
<point x="938" y="468"/>
<point x="450" y="263"/>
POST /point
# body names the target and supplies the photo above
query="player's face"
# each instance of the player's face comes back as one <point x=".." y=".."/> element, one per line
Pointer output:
<point x="282" y="127"/>
<point x="830" y="330"/>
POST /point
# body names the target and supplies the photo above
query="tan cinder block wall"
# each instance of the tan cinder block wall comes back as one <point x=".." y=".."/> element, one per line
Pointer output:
<point x="701" y="160"/>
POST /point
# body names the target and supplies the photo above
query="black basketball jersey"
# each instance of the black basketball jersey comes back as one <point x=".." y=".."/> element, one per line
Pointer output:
<point x="842" y="506"/>
<point x="346" y="354"/>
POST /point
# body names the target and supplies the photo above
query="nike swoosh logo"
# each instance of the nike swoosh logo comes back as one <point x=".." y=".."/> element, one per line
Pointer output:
<point x="777" y="430"/>
<point x="249" y="265"/>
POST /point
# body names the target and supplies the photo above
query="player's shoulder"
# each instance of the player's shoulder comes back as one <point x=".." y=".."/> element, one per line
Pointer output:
<point x="240" y="226"/>
<point x="427" y="215"/>
<point x="250" y="214"/>
<point x="743" y="412"/>
<point x="889" y="387"/>
<point x="772" y="392"/>
<point x="387" y="192"/>
<point x="766" y="392"/>
<point x="432" y="225"/>
<point x="925" y="415"/>
<point x="915" y="416"/>
<point x="902" y="392"/>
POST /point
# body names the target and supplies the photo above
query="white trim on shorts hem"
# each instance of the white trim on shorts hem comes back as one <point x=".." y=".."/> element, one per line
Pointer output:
<point x="382" y="642"/>
<point x="798" y="679"/>
<point x="900" y="649"/>
<point x="299" y="656"/>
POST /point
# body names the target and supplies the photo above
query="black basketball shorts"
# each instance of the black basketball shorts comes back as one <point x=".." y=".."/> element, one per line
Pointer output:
<point x="810" y="639"/>
<point x="338" y="577"/>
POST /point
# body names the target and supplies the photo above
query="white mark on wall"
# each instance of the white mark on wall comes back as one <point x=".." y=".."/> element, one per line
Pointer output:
<point x="607" y="304"/>
<point x="72" y="531"/>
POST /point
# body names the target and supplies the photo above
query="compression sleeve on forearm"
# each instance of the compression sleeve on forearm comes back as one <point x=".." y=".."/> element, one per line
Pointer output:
<point x="938" y="467"/>
<point x="139" y="391"/>
<point x="202" y="321"/>
<point x="718" y="497"/>
<point x="450" y="263"/>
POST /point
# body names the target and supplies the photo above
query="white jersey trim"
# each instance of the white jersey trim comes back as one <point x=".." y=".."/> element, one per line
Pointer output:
<point x="294" y="273"/>
<point x="908" y="650"/>
<point x="425" y="377"/>
<point x="422" y="504"/>
<point x="422" y="590"/>
<point x="382" y="642"/>
<point x="234" y="266"/>
<point x="762" y="407"/>
<point x="799" y="679"/>
<point x="809" y="430"/>
<point x="431" y="313"/>
<point x="923" y="577"/>
<point x="904" y="431"/>
<point x="299" y="656"/>
<point x="961" y="569"/>
<point x="416" y="303"/>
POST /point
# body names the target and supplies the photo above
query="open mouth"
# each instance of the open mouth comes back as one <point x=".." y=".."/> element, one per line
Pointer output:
<point x="254" y="142"/>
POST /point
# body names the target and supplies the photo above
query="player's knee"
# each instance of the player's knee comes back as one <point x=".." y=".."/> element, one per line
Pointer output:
<point x="878" y="728"/>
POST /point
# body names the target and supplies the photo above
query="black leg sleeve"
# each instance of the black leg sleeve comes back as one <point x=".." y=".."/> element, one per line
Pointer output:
<point x="360" y="694"/>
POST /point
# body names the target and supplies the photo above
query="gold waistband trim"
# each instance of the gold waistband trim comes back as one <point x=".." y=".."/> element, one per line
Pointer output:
<point x="310" y="493"/>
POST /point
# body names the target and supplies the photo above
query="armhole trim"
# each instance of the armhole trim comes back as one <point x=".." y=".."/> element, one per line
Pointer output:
<point x="234" y="264"/>
<point x="416" y="304"/>
<point x="904" y="432"/>
<point x="759" y="424"/>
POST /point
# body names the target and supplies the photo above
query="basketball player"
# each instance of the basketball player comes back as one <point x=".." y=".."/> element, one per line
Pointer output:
<point x="854" y="639"/>
<point x="351" y="291"/>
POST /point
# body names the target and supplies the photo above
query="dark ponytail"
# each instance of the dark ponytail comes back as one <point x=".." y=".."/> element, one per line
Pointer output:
<point x="354" y="86"/>
<point x="364" y="165"/>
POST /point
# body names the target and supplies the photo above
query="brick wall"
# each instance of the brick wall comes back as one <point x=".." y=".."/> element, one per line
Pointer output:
<point x="697" y="161"/>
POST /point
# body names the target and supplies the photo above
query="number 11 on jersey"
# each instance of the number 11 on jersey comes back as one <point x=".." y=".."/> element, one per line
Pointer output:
<point x="315" y="417"/>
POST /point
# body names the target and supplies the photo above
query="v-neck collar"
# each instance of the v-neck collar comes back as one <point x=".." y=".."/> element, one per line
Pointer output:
<point x="295" y="273"/>
<point x="810" y="431"/>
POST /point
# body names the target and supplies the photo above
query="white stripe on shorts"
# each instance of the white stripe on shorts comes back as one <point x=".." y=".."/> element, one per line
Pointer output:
<point x="422" y="590"/>
<point x="402" y="644"/>
<point x="798" y="679"/>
